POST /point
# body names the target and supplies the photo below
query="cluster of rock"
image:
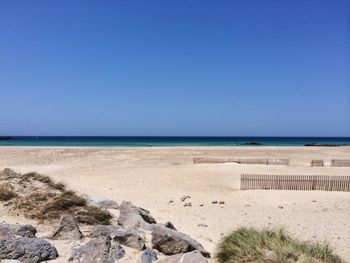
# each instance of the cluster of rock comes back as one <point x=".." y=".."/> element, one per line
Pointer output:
<point x="18" y="242"/>
<point x="136" y="230"/>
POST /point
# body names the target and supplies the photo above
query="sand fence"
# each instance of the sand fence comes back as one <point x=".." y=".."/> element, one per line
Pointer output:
<point x="317" y="163"/>
<point x="340" y="163"/>
<point x="295" y="182"/>
<point x="241" y="161"/>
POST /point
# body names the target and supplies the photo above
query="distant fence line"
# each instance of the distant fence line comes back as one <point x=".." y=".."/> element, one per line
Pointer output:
<point x="317" y="163"/>
<point x="241" y="161"/>
<point x="295" y="182"/>
<point x="340" y="163"/>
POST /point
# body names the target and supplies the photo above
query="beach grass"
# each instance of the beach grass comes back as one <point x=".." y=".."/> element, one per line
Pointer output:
<point x="37" y="196"/>
<point x="253" y="245"/>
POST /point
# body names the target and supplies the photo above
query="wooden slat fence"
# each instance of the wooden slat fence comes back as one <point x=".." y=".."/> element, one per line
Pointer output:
<point x="340" y="163"/>
<point x="317" y="163"/>
<point x="241" y="161"/>
<point x="295" y="182"/>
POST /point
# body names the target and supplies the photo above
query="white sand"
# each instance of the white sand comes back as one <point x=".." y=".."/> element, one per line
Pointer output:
<point x="150" y="177"/>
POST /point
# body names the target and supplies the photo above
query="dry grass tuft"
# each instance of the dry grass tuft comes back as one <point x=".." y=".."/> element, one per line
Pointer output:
<point x="266" y="246"/>
<point x="7" y="192"/>
<point x="40" y="198"/>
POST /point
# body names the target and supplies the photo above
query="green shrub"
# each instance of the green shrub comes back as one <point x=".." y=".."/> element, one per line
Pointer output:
<point x="252" y="245"/>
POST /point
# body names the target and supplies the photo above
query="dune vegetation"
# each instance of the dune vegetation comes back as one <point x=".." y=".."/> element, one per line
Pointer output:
<point x="252" y="245"/>
<point x="36" y="196"/>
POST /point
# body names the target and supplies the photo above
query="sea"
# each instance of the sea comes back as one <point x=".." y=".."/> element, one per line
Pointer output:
<point x="149" y="141"/>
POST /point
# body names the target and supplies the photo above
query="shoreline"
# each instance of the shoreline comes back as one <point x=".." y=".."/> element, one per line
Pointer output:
<point x="240" y="147"/>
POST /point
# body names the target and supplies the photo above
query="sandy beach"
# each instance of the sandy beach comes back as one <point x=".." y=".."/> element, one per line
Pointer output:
<point x="152" y="177"/>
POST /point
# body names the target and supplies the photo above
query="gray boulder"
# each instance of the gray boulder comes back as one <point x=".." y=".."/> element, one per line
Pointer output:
<point x="11" y="231"/>
<point x="105" y="203"/>
<point x="129" y="238"/>
<point x="102" y="230"/>
<point x="29" y="250"/>
<point x="190" y="257"/>
<point x="148" y="256"/>
<point x="102" y="249"/>
<point x="133" y="216"/>
<point x="67" y="229"/>
<point x="170" y="242"/>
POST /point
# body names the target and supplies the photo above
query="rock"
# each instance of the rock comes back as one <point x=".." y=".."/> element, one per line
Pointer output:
<point x="11" y="231"/>
<point x="169" y="225"/>
<point x="67" y="229"/>
<point x="184" y="197"/>
<point x="102" y="230"/>
<point x="129" y="238"/>
<point x="252" y="143"/>
<point x="105" y="203"/>
<point x="29" y="250"/>
<point x="132" y="220"/>
<point x="133" y="216"/>
<point x="102" y="249"/>
<point x="191" y="257"/>
<point x="188" y="204"/>
<point x="170" y="242"/>
<point x="148" y="256"/>
<point x="280" y="207"/>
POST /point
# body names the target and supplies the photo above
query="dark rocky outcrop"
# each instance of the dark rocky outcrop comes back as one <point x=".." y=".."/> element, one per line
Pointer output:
<point x="253" y="143"/>
<point x="102" y="249"/>
<point x="67" y="229"/>
<point x="11" y="231"/>
<point x="324" y="144"/>
<point x="170" y="242"/>
<point x="29" y="250"/>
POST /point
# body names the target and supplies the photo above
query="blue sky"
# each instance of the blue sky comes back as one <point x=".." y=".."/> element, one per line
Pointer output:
<point x="264" y="68"/>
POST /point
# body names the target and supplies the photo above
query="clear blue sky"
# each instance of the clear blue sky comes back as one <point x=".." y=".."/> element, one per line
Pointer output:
<point x="176" y="67"/>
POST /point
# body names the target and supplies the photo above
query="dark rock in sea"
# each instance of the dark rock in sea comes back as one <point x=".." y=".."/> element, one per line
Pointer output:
<point x="129" y="237"/>
<point x="191" y="257"/>
<point x="67" y="229"/>
<point x="170" y="242"/>
<point x="102" y="249"/>
<point x="252" y="143"/>
<point x="30" y="250"/>
<point x="148" y="256"/>
<point x="5" y="138"/>
<point x="133" y="216"/>
<point x="324" y="144"/>
<point x="13" y="231"/>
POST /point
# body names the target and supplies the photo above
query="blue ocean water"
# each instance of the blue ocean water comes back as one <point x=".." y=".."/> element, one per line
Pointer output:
<point x="126" y="141"/>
